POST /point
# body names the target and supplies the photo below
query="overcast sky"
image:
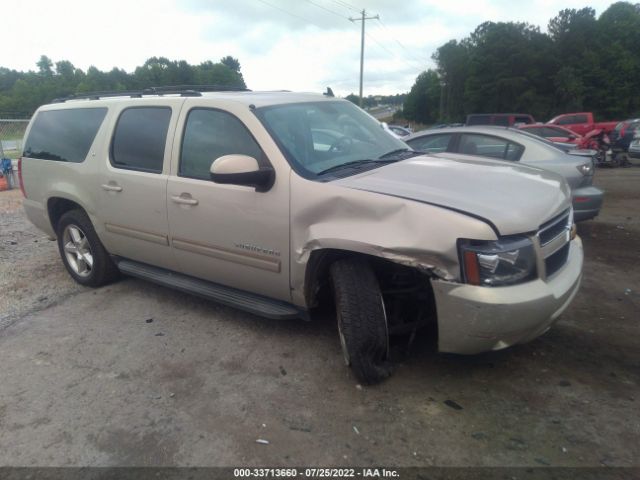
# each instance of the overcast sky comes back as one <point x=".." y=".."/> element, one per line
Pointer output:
<point x="302" y="45"/>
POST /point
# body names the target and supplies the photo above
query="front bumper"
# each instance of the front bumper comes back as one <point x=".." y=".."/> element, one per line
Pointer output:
<point x="587" y="202"/>
<point x="474" y="319"/>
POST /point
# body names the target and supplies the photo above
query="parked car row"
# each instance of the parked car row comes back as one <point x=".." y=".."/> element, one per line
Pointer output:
<point x="611" y="140"/>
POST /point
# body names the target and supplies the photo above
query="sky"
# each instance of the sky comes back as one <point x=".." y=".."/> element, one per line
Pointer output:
<point x="299" y="45"/>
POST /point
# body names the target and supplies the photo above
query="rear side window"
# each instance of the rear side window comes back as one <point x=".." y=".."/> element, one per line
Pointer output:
<point x="535" y="131"/>
<point x="431" y="143"/>
<point x="568" y="120"/>
<point x="523" y="119"/>
<point x="210" y="134"/>
<point x="552" y="132"/>
<point x="581" y="119"/>
<point x="479" y="120"/>
<point x="139" y="139"/>
<point x="64" y="135"/>
<point x="501" y="120"/>
<point x="489" y="146"/>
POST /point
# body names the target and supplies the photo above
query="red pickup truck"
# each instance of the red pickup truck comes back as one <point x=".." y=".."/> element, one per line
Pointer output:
<point x="581" y="123"/>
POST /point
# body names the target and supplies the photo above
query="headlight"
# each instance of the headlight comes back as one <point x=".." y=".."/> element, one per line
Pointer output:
<point x="586" y="169"/>
<point x="506" y="261"/>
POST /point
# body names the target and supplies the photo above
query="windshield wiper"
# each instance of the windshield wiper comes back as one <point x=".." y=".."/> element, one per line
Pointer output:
<point x="397" y="152"/>
<point x="354" y="164"/>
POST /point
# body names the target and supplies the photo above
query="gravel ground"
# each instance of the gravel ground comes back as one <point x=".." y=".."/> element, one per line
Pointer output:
<point x="135" y="374"/>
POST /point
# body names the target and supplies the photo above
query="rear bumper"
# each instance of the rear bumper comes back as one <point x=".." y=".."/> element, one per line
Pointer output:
<point x="475" y="319"/>
<point x="587" y="202"/>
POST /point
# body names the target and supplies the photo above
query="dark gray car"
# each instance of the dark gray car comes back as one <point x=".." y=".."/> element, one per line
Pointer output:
<point x="516" y="146"/>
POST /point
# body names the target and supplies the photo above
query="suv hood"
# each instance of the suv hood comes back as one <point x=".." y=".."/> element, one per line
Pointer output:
<point x="511" y="198"/>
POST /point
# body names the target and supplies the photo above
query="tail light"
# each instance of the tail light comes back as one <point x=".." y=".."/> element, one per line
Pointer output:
<point x="24" y="194"/>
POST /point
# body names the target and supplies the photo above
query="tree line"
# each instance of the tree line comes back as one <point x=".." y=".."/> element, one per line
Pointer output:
<point x="582" y="63"/>
<point x="21" y="93"/>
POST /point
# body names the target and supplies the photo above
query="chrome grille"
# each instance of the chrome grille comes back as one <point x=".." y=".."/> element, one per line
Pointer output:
<point x="554" y="237"/>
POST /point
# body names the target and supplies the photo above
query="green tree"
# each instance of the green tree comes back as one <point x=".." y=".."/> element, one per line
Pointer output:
<point x="231" y="62"/>
<point x="44" y="66"/>
<point x="422" y="103"/>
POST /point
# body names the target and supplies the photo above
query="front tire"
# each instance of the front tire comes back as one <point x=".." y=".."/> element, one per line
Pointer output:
<point x="82" y="252"/>
<point x="362" y="322"/>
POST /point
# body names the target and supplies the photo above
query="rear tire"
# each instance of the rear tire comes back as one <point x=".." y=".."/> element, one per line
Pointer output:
<point x="82" y="252"/>
<point x="362" y="322"/>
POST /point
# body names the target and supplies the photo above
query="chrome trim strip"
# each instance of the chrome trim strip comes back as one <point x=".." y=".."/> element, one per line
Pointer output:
<point x="552" y="246"/>
<point x="250" y="259"/>
<point x="137" y="234"/>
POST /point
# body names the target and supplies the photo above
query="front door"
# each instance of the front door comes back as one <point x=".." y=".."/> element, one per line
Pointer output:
<point x="228" y="234"/>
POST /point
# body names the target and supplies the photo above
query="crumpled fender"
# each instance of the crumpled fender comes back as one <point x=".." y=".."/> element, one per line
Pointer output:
<point x="410" y="233"/>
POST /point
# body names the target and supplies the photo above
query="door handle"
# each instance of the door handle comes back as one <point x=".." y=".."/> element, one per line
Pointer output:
<point x="184" y="199"/>
<point x="111" y="187"/>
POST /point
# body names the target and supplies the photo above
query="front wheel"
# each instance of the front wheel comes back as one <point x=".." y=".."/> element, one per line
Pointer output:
<point x="83" y="255"/>
<point x="362" y="322"/>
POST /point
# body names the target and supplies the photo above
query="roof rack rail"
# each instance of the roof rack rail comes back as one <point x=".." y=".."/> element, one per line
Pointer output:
<point x="182" y="90"/>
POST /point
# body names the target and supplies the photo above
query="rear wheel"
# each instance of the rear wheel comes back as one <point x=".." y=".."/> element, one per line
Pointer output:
<point x="83" y="255"/>
<point x="362" y="322"/>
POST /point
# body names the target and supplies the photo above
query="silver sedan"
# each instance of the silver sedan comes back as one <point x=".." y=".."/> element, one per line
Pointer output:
<point x="509" y="144"/>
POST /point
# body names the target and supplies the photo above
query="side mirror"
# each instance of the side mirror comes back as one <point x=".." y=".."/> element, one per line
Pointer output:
<point x="242" y="170"/>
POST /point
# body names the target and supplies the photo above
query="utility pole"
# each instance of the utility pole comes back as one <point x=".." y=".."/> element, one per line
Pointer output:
<point x="362" y="19"/>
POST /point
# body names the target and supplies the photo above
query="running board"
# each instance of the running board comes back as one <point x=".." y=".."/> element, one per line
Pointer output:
<point x="249" y="302"/>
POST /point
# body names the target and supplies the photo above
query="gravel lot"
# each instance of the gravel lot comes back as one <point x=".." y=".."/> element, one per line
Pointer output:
<point x="135" y="374"/>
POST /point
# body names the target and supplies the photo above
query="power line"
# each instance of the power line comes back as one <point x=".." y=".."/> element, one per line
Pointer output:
<point x="328" y="10"/>
<point x="406" y="62"/>
<point x="400" y="43"/>
<point x="289" y="13"/>
<point x="346" y="5"/>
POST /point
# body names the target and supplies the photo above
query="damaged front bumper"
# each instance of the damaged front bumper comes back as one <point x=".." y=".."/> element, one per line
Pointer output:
<point x="474" y="319"/>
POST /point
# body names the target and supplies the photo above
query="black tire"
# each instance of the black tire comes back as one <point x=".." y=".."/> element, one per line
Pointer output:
<point x="102" y="270"/>
<point x="362" y="323"/>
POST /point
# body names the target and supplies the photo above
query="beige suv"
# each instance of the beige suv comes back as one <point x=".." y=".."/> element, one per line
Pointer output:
<point x="273" y="202"/>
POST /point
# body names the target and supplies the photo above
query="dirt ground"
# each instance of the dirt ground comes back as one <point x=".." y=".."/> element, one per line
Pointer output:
<point x="136" y="374"/>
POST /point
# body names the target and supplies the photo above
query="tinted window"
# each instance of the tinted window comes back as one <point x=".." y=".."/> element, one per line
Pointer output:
<point x="514" y="151"/>
<point x="568" y="120"/>
<point x="501" y="120"/>
<point x="210" y="134"/>
<point x="431" y="143"/>
<point x="64" y="135"/>
<point x="523" y="119"/>
<point x="489" y="146"/>
<point x="139" y="139"/>
<point x="479" y="120"/>
<point x="552" y="132"/>
<point x="535" y="131"/>
<point x="581" y="119"/>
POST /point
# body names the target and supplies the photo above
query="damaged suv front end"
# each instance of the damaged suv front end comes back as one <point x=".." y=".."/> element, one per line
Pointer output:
<point x="511" y="290"/>
<point x="492" y="243"/>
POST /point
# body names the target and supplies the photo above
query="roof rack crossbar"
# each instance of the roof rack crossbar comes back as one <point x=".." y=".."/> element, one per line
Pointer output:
<point x="182" y="90"/>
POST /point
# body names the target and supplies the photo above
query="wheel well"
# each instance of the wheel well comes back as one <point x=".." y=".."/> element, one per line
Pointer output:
<point x="56" y="207"/>
<point x="407" y="291"/>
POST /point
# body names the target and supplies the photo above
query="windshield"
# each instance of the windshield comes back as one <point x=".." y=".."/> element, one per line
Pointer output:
<point x="320" y="137"/>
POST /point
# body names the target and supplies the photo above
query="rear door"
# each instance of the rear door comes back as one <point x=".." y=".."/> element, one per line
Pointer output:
<point x="132" y="181"/>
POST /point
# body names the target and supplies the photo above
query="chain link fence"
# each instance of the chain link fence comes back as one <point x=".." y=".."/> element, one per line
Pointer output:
<point x="11" y="134"/>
